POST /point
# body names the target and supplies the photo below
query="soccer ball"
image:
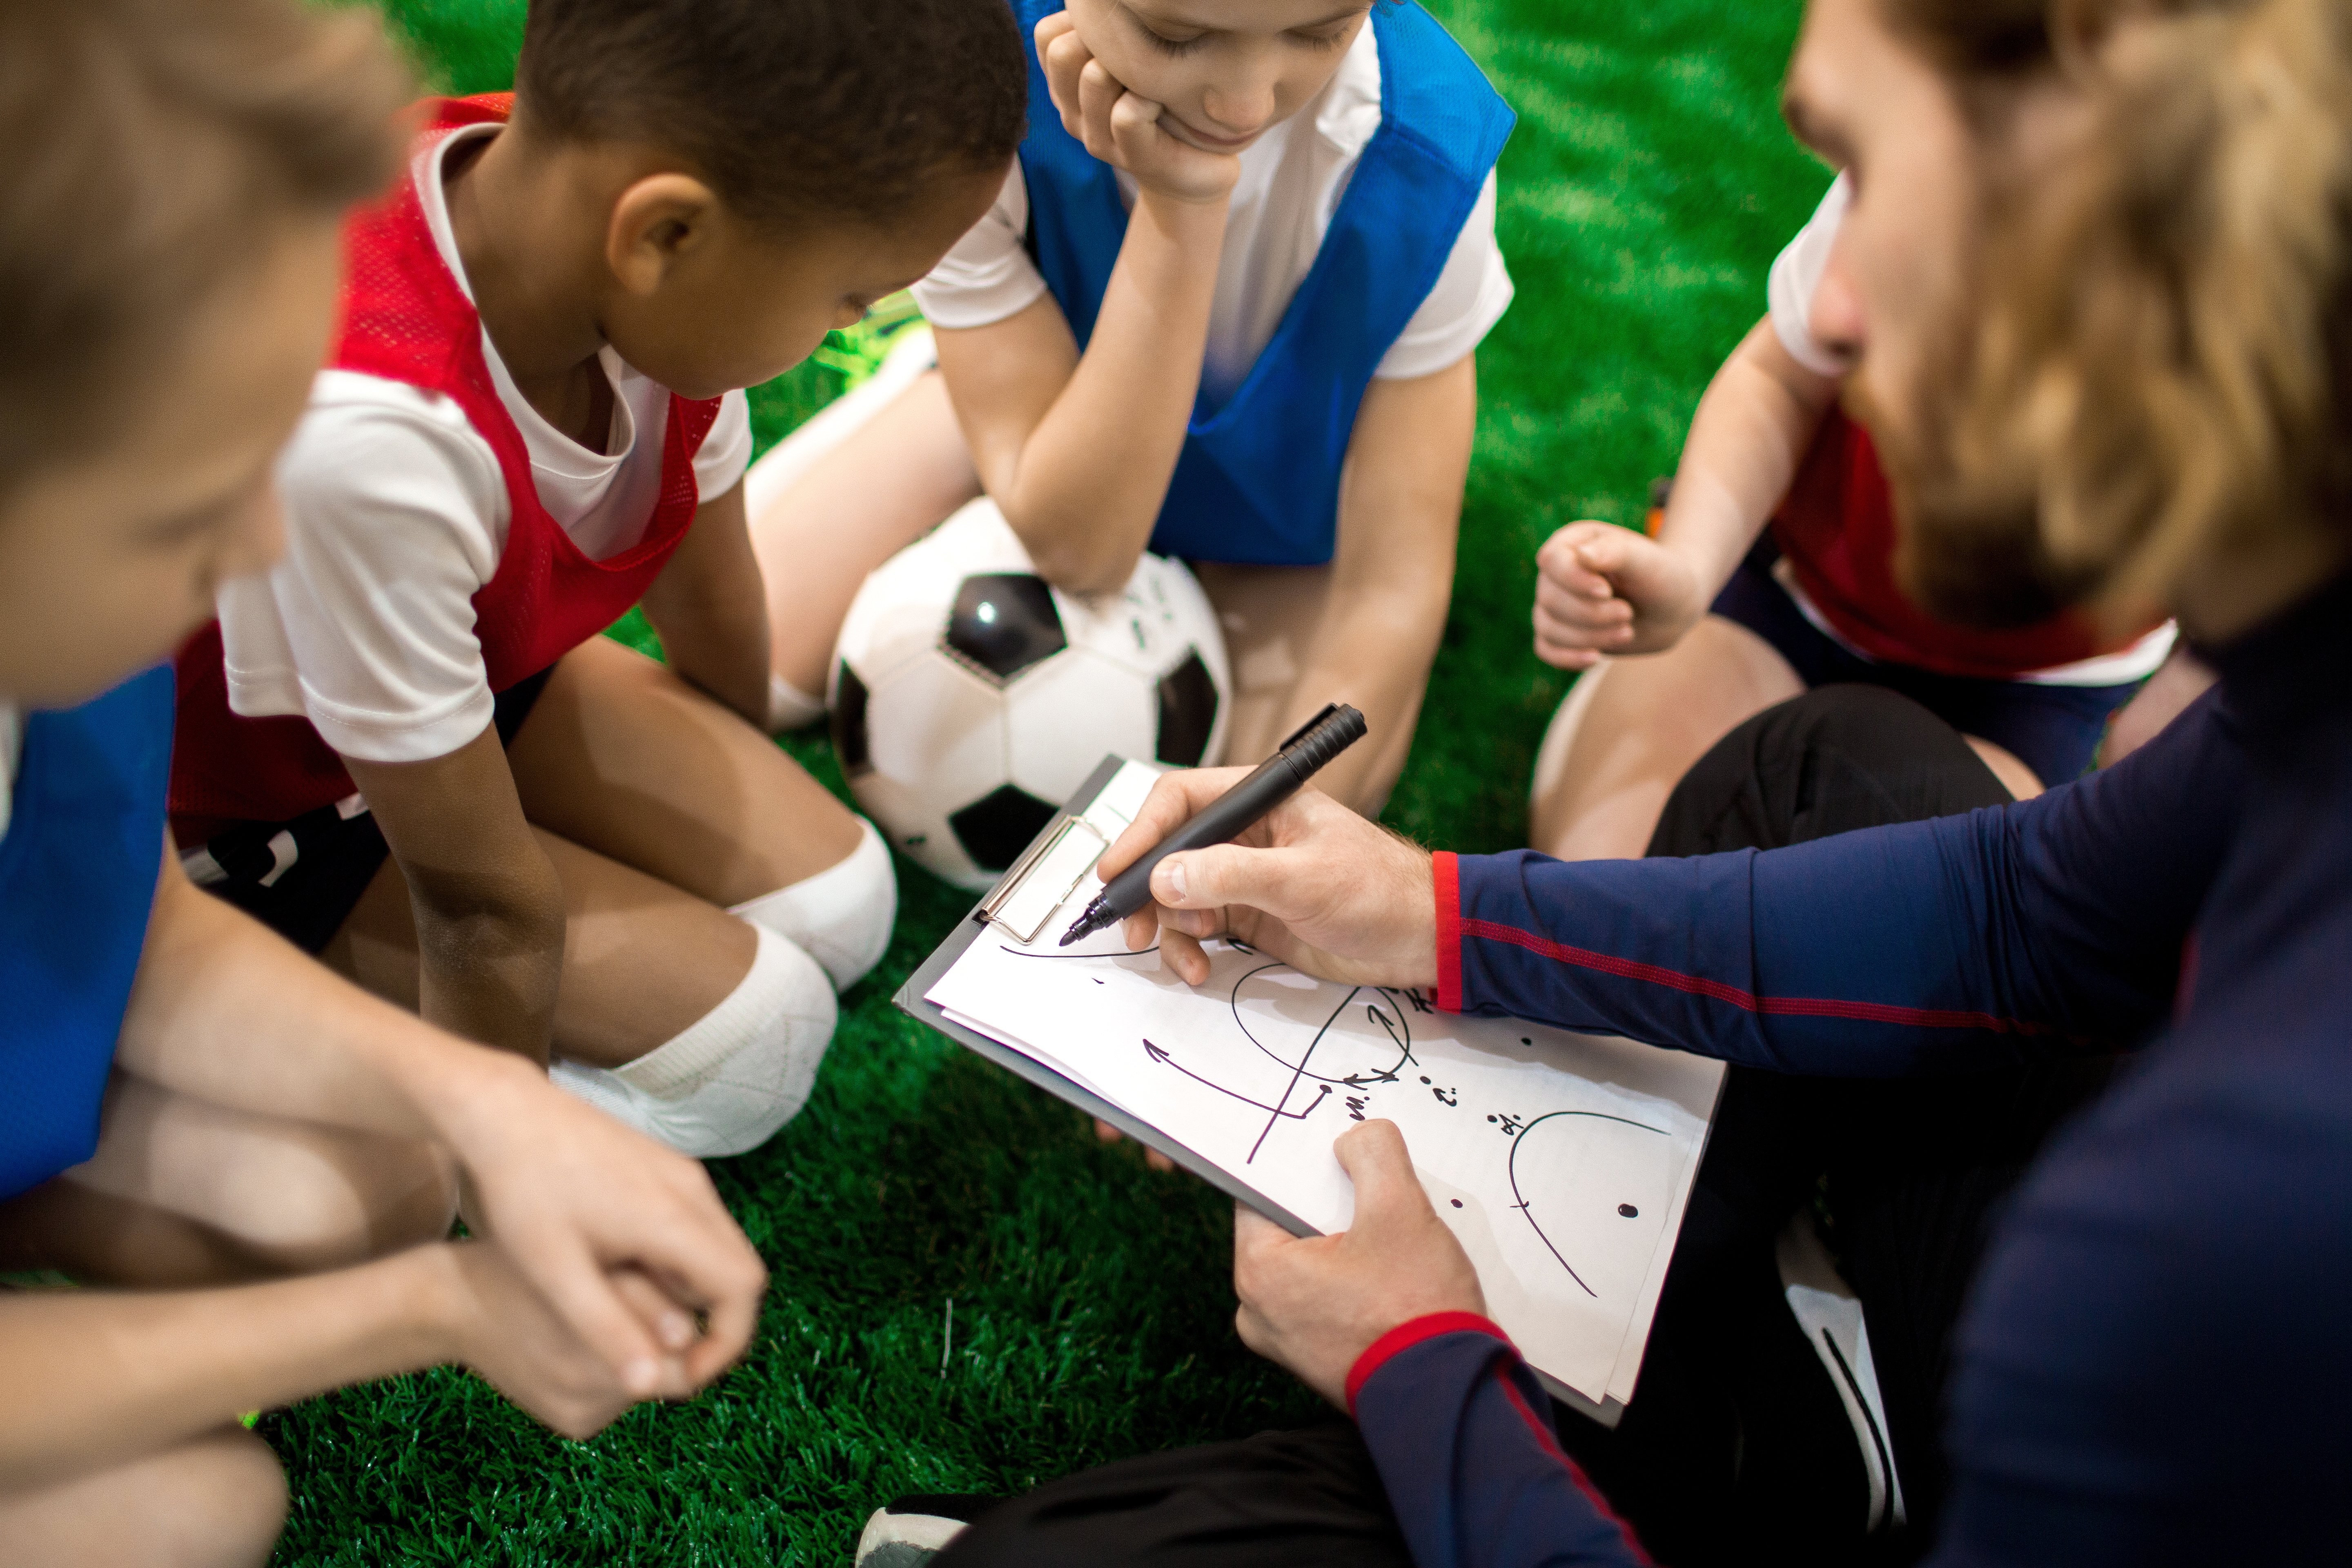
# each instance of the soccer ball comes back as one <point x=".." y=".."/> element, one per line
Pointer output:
<point x="970" y="699"/>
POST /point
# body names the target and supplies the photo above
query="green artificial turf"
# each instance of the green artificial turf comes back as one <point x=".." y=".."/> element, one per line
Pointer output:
<point x="1645" y="190"/>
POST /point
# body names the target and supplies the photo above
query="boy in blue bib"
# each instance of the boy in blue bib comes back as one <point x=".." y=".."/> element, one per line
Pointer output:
<point x="1225" y="310"/>
<point x="247" y="1164"/>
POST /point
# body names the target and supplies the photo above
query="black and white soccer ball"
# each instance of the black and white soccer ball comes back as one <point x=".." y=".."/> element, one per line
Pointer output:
<point x="970" y="699"/>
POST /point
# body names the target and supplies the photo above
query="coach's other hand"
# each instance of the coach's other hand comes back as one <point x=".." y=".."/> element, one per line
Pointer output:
<point x="1314" y="885"/>
<point x="1315" y="1304"/>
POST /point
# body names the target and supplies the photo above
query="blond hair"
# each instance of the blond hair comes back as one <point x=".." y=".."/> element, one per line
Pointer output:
<point x="2165" y="365"/>
<point x="150" y="142"/>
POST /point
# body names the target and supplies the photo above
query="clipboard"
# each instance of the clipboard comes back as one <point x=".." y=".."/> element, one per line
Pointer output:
<point x="910" y="999"/>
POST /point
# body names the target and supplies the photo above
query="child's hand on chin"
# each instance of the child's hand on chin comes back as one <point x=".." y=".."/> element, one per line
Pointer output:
<point x="1122" y="128"/>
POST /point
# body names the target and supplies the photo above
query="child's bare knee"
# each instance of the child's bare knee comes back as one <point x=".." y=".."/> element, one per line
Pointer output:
<point x="360" y="1198"/>
<point x="842" y="916"/>
<point x="231" y="1501"/>
<point x="216" y="1502"/>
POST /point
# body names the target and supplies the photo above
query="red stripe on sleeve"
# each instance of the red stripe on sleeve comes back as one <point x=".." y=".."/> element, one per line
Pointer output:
<point x="1406" y="1335"/>
<point x="1549" y="1440"/>
<point x="1448" y="878"/>
<point x="1716" y="990"/>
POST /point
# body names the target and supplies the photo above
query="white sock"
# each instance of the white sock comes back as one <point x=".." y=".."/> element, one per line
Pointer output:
<point x="783" y="463"/>
<point x="842" y="915"/>
<point x="790" y="708"/>
<point x="733" y="1078"/>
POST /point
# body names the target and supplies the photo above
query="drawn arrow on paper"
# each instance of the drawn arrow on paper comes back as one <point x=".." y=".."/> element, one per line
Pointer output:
<point x="1165" y="1059"/>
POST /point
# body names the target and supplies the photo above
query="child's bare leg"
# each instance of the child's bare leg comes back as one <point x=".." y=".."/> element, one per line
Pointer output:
<point x="624" y="758"/>
<point x="1633" y="727"/>
<point x="689" y="1024"/>
<point x="642" y="960"/>
<point x="1274" y="622"/>
<point x="215" y="1502"/>
<point x="183" y="1192"/>
<point x="2020" y="781"/>
<point x="885" y="486"/>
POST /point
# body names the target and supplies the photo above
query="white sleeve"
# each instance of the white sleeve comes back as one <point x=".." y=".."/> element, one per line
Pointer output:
<point x="726" y="451"/>
<point x="1469" y="297"/>
<point x="1797" y="274"/>
<point x="988" y="276"/>
<point x="396" y="513"/>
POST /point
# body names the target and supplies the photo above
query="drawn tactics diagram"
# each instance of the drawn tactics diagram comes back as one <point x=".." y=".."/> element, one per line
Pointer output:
<point x="1359" y="1054"/>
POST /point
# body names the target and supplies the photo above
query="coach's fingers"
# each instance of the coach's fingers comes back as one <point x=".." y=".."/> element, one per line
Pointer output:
<point x="1255" y="1238"/>
<point x="1172" y="803"/>
<point x="1388" y="1195"/>
<point x="1182" y="954"/>
<point x="1278" y="881"/>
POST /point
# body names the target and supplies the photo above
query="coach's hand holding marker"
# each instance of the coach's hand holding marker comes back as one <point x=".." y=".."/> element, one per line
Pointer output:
<point x="1232" y="813"/>
<point x="1312" y="884"/>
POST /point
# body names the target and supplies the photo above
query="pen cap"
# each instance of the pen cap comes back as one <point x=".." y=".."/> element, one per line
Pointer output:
<point x="1323" y="736"/>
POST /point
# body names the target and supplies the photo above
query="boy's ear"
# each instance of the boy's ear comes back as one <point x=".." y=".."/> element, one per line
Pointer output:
<point x="656" y="223"/>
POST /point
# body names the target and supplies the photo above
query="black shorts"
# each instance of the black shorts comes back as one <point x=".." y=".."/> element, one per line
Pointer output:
<point x="2056" y="730"/>
<point x="303" y="877"/>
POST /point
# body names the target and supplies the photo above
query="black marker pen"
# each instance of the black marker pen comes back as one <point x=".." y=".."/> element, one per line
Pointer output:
<point x="1230" y="815"/>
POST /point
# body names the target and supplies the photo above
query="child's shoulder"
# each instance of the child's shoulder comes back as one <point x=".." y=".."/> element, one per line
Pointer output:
<point x="1433" y="89"/>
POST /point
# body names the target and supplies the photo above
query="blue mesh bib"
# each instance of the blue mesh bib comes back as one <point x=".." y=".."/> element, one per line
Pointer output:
<point x="1258" y="481"/>
<point x="77" y="883"/>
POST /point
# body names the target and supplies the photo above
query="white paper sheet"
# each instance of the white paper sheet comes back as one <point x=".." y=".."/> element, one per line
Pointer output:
<point x="1562" y="1162"/>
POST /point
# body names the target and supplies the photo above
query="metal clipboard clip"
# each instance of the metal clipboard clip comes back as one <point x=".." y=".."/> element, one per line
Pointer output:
<point x="1043" y="880"/>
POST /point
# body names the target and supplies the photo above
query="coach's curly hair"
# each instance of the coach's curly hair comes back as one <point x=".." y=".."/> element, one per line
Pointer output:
<point x="2165" y="365"/>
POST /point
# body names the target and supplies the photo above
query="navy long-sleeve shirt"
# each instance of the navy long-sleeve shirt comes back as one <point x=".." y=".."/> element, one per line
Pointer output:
<point x="2156" y="1367"/>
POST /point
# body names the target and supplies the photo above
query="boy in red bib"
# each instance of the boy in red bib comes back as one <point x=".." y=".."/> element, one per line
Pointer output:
<point x="405" y="747"/>
<point x="1774" y="572"/>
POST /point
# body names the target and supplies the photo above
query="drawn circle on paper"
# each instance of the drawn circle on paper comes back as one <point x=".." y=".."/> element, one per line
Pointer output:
<point x="1578" y="1175"/>
<point x="1363" y="1042"/>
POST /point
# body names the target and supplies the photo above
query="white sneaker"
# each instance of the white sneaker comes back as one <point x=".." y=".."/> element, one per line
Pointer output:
<point x="1831" y="1315"/>
<point x="914" y="1529"/>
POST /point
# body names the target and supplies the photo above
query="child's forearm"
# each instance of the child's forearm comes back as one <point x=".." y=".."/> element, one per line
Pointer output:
<point x="91" y="1378"/>
<point x="1083" y="486"/>
<point x="489" y="953"/>
<point x="322" y="1050"/>
<point x="1751" y="430"/>
<point x="1392" y="570"/>
<point x="487" y="905"/>
<point x="1373" y="650"/>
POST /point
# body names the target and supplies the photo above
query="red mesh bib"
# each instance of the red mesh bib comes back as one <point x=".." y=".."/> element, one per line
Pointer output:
<point x="1837" y="529"/>
<point x="405" y="319"/>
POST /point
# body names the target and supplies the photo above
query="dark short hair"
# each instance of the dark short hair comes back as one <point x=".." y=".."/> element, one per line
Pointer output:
<point x="150" y="142"/>
<point x="788" y="108"/>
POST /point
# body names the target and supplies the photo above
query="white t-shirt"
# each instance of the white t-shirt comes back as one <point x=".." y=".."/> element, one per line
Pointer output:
<point x="1291" y="181"/>
<point x="1796" y="276"/>
<point x="396" y="513"/>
